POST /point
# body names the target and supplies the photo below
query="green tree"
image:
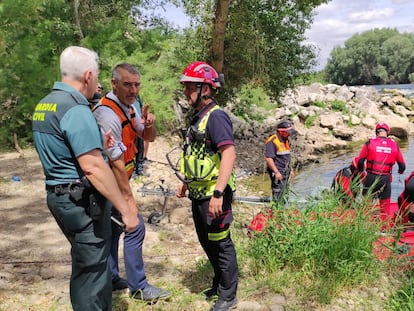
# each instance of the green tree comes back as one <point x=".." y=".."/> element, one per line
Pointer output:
<point x="263" y="41"/>
<point x="398" y="57"/>
<point x="373" y="57"/>
<point x="259" y="43"/>
<point x="34" y="32"/>
<point x="32" y="35"/>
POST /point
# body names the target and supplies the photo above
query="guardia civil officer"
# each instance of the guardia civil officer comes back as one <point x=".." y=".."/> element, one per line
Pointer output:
<point x="78" y="180"/>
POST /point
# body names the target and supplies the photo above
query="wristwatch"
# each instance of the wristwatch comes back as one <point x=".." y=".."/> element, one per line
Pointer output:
<point x="218" y="194"/>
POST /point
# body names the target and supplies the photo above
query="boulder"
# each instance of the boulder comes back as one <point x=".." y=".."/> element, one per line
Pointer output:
<point x="320" y="129"/>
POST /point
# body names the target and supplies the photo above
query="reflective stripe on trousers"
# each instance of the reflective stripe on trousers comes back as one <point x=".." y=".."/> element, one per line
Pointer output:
<point x="217" y="236"/>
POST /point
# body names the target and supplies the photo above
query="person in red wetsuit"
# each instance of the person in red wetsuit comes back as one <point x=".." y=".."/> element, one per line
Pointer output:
<point x="380" y="154"/>
<point x="405" y="202"/>
<point x="347" y="181"/>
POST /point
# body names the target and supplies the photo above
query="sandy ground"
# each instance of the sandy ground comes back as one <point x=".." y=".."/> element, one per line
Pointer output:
<point x="35" y="262"/>
<point x="35" y="256"/>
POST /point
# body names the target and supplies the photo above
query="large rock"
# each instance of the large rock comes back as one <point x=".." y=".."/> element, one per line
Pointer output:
<point x="331" y="120"/>
<point x="320" y="130"/>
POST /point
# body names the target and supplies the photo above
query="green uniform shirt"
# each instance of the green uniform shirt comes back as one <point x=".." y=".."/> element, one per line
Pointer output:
<point x="63" y="129"/>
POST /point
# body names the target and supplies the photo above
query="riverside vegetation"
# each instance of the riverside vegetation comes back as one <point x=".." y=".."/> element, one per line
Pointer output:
<point x="305" y="260"/>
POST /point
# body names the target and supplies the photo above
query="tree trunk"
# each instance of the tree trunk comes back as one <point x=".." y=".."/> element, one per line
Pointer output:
<point x="219" y="30"/>
<point x="16" y="143"/>
<point x="76" y="4"/>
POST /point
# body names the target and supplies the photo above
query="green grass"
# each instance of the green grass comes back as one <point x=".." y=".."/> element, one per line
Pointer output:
<point x="403" y="298"/>
<point x="310" y="120"/>
<point x="338" y="105"/>
<point x="311" y="253"/>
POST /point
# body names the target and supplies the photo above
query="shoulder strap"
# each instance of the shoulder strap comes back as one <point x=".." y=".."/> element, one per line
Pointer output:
<point x="107" y="102"/>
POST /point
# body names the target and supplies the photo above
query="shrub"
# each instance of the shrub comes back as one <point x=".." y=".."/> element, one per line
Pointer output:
<point x="310" y="120"/>
<point x="318" y="250"/>
<point x="251" y="96"/>
<point x="338" y="105"/>
<point x="319" y="104"/>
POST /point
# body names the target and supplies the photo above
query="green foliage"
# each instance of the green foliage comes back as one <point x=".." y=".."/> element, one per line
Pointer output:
<point x="33" y="34"/>
<point x="403" y="298"/>
<point x="312" y="77"/>
<point x="249" y="98"/>
<point x="338" y="105"/>
<point x="310" y="120"/>
<point x="318" y="250"/>
<point x="411" y="77"/>
<point x="319" y="104"/>
<point x="376" y="56"/>
<point x="269" y="34"/>
<point x="37" y="31"/>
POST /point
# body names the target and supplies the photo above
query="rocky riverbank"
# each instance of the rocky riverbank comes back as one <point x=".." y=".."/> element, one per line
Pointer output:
<point x="328" y="118"/>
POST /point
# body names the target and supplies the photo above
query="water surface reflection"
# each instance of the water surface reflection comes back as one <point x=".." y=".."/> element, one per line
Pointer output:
<point x="320" y="175"/>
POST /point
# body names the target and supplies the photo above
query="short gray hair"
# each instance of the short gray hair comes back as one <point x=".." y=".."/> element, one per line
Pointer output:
<point x="76" y="60"/>
<point x="125" y="66"/>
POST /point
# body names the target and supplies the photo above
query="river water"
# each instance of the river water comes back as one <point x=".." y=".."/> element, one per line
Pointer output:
<point x="317" y="176"/>
<point x="320" y="175"/>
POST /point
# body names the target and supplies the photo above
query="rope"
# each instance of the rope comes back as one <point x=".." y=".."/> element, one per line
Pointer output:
<point x="39" y="262"/>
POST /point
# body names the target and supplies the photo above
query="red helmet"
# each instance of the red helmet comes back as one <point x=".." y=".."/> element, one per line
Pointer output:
<point x="201" y="72"/>
<point x="382" y="126"/>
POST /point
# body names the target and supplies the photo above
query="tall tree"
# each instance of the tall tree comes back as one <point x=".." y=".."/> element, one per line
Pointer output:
<point x="219" y="34"/>
<point x="373" y="57"/>
<point x="262" y="41"/>
<point x="33" y="33"/>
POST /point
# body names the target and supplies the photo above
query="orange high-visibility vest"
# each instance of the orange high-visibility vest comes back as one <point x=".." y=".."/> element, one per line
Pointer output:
<point x="128" y="132"/>
<point x="281" y="147"/>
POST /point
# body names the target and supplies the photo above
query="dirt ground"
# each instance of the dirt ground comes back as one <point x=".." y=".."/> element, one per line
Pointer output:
<point x="35" y="256"/>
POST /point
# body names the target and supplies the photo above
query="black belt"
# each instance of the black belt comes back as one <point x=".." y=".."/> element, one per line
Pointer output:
<point x="58" y="189"/>
<point x="64" y="188"/>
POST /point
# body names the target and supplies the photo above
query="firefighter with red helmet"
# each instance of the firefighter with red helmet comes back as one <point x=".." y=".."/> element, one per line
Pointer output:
<point x="380" y="154"/>
<point x="347" y="181"/>
<point x="206" y="171"/>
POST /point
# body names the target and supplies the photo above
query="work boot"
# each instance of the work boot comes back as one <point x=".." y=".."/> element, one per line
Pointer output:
<point x="139" y="170"/>
<point x="119" y="284"/>
<point x="150" y="293"/>
<point x="225" y="305"/>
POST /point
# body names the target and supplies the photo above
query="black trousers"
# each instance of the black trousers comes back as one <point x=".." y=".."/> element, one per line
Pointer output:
<point x="279" y="187"/>
<point x="221" y="253"/>
<point x="378" y="185"/>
